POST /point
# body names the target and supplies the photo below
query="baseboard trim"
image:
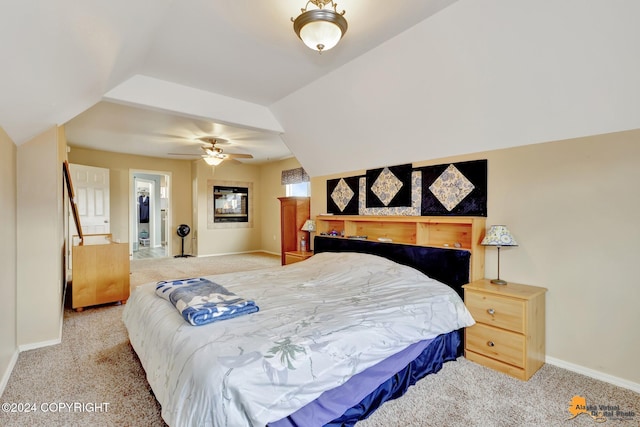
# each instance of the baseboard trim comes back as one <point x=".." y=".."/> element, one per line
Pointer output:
<point x="270" y="253"/>
<point x="33" y="346"/>
<point x="617" y="381"/>
<point x="7" y="373"/>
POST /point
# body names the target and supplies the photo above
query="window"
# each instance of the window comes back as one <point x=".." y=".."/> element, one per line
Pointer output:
<point x="296" y="182"/>
<point x="301" y="189"/>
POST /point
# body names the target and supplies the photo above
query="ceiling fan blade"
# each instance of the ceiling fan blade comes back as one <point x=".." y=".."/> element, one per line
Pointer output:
<point x="211" y="150"/>
<point x="238" y="156"/>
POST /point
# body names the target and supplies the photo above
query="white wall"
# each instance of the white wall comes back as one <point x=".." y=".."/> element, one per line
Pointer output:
<point x="573" y="208"/>
<point x="489" y="74"/>
<point x="40" y="240"/>
<point x="8" y="280"/>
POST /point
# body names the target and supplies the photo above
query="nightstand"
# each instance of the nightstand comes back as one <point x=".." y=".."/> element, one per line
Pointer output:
<point x="296" y="256"/>
<point x="509" y="334"/>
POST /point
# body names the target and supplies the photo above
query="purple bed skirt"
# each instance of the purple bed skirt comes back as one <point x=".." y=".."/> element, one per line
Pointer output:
<point x="364" y="393"/>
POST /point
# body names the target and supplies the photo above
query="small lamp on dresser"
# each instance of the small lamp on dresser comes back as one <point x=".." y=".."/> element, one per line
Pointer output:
<point x="309" y="226"/>
<point x="498" y="236"/>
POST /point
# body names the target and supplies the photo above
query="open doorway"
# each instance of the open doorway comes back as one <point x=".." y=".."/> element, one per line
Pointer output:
<point x="149" y="214"/>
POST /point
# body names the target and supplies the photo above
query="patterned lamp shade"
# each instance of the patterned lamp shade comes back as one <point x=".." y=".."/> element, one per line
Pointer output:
<point x="498" y="235"/>
<point x="309" y="225"/>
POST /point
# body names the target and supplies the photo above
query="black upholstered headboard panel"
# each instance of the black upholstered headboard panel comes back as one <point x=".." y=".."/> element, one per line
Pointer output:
<point x="449" y="266"/>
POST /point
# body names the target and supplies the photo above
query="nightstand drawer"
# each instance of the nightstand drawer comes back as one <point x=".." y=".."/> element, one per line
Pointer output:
<point x="496" y="343"/>
<point x="494" y="310"/>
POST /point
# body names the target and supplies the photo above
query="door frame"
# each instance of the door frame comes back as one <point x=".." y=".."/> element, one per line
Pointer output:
<point x="133" y="237"/>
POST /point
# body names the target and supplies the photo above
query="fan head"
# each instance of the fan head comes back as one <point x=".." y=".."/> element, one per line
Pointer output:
<point x="183" y="230"/>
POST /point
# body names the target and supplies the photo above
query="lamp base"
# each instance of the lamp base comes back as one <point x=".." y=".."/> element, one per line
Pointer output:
<point x="498" y="282"/>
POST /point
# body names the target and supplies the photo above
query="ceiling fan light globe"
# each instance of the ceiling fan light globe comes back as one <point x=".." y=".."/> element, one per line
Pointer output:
<point x="213" y="161"/>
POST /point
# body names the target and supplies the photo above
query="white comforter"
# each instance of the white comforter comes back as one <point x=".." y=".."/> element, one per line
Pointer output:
<point x="320" y="322"/>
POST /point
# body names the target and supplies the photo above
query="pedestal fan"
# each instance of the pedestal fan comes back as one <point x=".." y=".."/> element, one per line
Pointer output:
<point x="183" y="230"/>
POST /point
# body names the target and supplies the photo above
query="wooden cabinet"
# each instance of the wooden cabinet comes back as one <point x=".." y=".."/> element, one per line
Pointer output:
<point x="100" y="273"/>
<point x="294" y="211"/>
<point x="509" y="334"/>
<point x="296" y="256"/>
<point x="463" y="233"/>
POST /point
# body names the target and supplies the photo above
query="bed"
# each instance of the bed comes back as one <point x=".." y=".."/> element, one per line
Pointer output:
<point x="336" y="336"/>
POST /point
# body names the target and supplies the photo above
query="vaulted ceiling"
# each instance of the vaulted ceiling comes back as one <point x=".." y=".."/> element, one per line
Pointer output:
<point x="411" y="80"/>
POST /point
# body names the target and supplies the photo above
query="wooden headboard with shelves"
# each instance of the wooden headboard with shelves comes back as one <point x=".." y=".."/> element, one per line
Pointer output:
<point x="455" y="233"/>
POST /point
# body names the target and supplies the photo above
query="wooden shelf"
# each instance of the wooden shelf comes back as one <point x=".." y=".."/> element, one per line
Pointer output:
<point x="458" y="233"/>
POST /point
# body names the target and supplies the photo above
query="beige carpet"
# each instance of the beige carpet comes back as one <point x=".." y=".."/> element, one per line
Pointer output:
<point x="95" y="365"/>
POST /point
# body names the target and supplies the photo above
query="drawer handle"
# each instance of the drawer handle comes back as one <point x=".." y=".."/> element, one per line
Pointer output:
<point x="491" y="311"/>
<point x="490" y="343"/>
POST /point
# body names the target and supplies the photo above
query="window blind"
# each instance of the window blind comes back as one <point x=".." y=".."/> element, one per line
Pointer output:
<point x="294" y="176"/>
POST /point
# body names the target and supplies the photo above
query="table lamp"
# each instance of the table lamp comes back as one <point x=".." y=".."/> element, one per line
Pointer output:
<point x="309" y="226"/>
<point x="498" y="235"/>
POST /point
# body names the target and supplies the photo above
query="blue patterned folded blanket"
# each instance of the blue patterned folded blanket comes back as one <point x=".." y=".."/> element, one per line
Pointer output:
<point x="200" y="301"/>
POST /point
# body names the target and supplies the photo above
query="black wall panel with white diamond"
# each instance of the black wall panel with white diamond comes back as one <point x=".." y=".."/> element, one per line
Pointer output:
<point x="389" y="187"/>
<point x="343" y="195"/>
<point x="458" y="189"/>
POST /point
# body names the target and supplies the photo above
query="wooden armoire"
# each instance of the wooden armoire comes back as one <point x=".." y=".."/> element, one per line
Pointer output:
<point x="294" y="211"/>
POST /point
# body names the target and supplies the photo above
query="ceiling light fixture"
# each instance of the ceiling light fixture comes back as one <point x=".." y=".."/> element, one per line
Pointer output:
<point x="322" y="28"/>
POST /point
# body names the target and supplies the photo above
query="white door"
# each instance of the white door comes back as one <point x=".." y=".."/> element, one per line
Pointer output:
<point x="91" y="187"/>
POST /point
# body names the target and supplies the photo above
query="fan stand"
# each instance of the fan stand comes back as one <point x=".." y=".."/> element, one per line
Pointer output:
<point x="182" y="254"/>
<point x="183" y="231"/>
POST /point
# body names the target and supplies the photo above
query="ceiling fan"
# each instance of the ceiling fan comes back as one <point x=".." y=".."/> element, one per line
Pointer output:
<point x="215" y="155"/>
